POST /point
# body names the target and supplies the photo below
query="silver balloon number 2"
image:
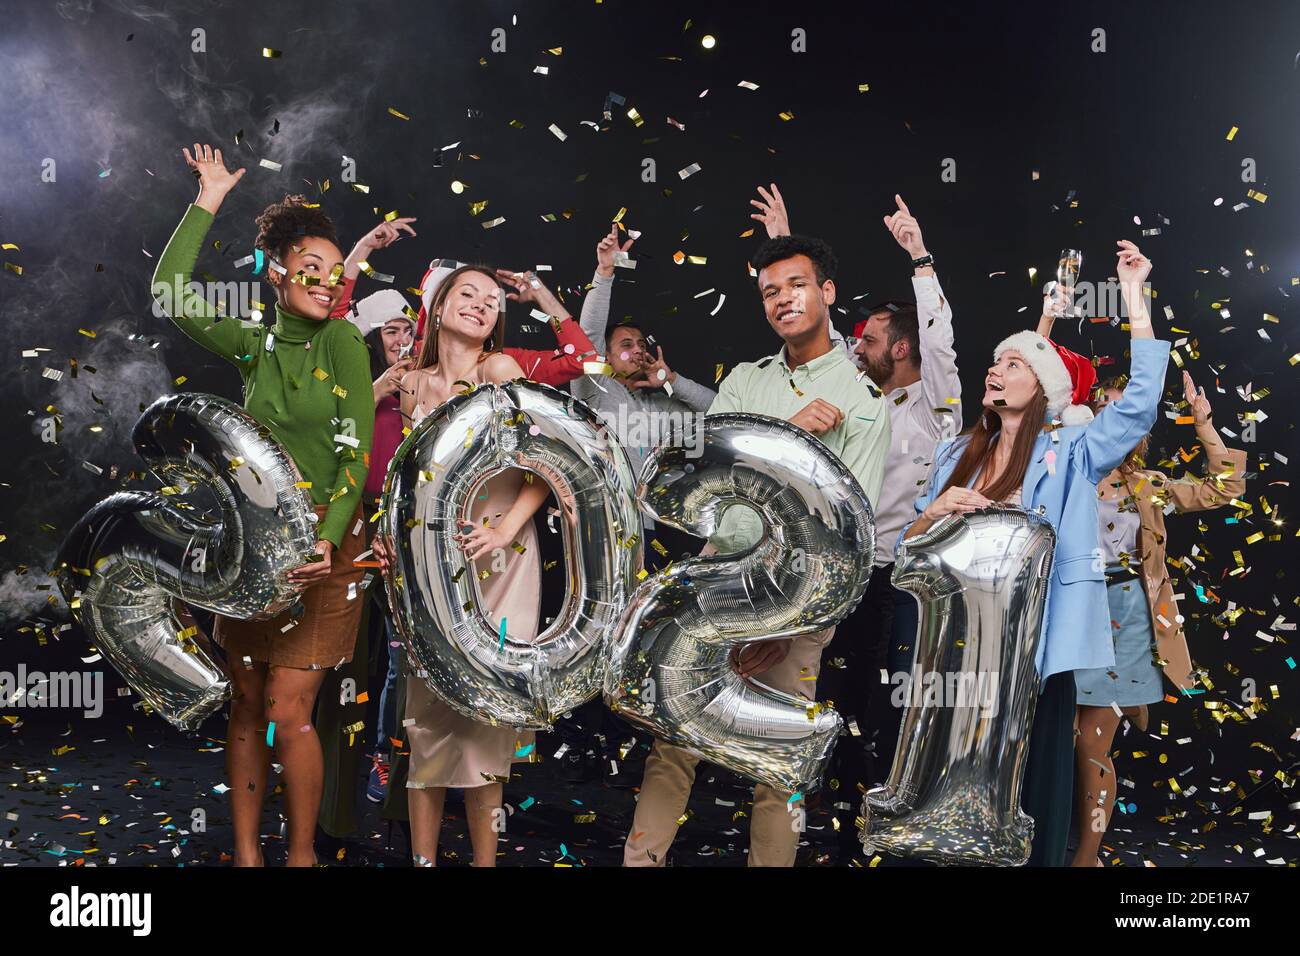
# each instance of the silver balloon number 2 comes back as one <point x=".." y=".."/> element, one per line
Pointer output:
<point x="131" y="557"/>
<point x="953" y="794"/>
<point x="669" y="666"/>
<point x="471" y="662"/>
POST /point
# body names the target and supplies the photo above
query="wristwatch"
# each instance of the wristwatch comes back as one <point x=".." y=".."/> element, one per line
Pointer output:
<point x="925" y="260"/>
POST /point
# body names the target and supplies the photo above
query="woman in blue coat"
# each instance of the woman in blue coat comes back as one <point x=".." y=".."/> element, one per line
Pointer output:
<point x="1037" y="445"/>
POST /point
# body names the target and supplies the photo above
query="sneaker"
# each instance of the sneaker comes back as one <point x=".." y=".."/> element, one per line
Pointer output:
<point x="377" y="785"/>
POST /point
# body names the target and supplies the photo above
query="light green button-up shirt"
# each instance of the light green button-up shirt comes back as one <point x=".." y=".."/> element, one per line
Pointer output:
<point x="770" y="387"/>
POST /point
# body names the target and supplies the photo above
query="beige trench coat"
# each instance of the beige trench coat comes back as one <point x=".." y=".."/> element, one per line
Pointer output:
<point x="1152" y="492"/>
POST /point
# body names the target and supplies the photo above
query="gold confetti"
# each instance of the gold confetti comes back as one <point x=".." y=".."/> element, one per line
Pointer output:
<point x="270" y="54"/>
<point x="399" y="115"/>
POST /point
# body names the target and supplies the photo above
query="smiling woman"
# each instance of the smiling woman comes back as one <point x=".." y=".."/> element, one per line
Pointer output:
<point x="307" y="379"/>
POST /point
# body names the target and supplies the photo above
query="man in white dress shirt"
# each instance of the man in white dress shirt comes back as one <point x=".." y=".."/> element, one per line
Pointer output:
<point x="907" y="351"/>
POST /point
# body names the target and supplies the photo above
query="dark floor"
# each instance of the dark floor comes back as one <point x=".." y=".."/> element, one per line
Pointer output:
<point x="93" y="794"/>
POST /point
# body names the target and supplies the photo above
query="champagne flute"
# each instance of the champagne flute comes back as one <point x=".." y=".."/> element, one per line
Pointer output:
<point x="1067" y="276"/>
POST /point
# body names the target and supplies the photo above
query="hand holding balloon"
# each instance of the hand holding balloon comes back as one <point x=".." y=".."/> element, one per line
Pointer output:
<point x="750" y="660"/>
<point x="313" y="572"/>
<point x="955" y="499"/>
<point x="481" y="540"/>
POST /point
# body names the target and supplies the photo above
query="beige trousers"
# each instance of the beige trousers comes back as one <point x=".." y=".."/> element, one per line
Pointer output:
<point x="670" y="773"/>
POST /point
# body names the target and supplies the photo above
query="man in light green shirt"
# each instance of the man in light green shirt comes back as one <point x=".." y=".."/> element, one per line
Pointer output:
<point x="814" y="385"/>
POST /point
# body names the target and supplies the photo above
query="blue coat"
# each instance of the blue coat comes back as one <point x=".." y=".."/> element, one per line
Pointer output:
<point x="1077" y="616"/>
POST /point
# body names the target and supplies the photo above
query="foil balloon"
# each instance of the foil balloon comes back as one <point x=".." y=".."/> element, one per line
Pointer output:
<point x="476" y="667"/>
<point x="669" y="670"/>
<point x="129" y="559"/>
<point x="953" y="793"/>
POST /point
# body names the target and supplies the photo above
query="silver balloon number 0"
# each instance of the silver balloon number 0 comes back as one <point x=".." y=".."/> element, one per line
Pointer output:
<point x="131" y="557"/>
<point x="473" y="663"/>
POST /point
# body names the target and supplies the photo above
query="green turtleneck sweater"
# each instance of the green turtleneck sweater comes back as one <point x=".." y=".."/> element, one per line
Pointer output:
<point x="309" y="385"/>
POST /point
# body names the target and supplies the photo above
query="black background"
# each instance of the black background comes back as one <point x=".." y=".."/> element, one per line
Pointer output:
<point x="1004" y="90"/>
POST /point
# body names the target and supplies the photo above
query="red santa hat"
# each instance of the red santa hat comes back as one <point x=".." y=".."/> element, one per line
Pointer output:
<point x="1067" y="377"/>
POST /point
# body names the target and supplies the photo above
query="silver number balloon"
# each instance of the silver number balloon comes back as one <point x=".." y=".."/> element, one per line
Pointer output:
<point x="953" y="794"/>
<point x="669" y="670"/>
<point x="428" y="493"/>
<point x="131" y="557"/>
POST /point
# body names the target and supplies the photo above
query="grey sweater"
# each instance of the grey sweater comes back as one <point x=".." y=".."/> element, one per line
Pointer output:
<point x="641" y="418"/>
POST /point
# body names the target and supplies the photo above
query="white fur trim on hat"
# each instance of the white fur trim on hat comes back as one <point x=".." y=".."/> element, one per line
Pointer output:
<point x="374" y="310"/>
<point x="1047" y="365"/>
<point x="1076" y="415"/>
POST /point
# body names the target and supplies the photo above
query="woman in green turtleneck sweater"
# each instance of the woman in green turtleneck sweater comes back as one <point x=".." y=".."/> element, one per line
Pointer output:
<point x="308" y="380"/>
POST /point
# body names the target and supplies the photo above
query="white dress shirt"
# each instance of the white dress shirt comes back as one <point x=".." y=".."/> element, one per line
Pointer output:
<point x="921" y="414"/>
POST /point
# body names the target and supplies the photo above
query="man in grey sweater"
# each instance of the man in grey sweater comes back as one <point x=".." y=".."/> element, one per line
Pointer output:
<point x="644" y="402"/>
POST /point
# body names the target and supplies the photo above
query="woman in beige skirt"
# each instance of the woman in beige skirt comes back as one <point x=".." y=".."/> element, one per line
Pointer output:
<point x="448" y="749"/>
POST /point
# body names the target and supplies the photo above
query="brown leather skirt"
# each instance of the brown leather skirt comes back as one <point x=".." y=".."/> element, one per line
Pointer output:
<point x="326" y="633"/>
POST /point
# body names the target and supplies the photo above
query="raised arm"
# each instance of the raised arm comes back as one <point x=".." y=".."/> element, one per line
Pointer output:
<point x="939" y="378"/>
<point x="554" y="366"/>
<point x="771" y="212"/>
<point x="380" y="237"/>
<point x="1225" y="468"/>
<point x="1119" y="426"/>
<point x="561" y="365"/>
<point x="594" y="317"/>
<point x="223" y="336"/>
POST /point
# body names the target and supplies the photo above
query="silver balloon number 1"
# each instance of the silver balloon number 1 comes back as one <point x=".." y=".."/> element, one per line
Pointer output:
<point x="953" y="794"/>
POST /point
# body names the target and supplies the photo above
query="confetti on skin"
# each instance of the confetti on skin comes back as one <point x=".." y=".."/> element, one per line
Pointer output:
<point x="270" y="734"/>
